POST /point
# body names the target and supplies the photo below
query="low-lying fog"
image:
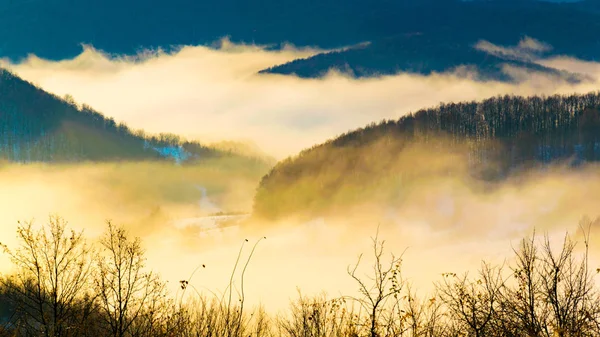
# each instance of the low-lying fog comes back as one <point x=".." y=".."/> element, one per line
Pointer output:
<point x="446" y="226"/>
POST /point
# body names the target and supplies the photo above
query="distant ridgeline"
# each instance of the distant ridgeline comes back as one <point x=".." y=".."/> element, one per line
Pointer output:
<point x="487" y="140"/>
<point x="38" y="126"/>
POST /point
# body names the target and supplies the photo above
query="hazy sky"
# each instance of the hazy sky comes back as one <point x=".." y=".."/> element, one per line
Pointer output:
<point x="214" y="94"/>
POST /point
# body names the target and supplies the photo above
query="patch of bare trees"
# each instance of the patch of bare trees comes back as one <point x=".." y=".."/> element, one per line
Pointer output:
<point x="546" y="292"/>
<point x="64" y="287"/>
<point x="61" y="287"/>
<point x="49" y="288"/>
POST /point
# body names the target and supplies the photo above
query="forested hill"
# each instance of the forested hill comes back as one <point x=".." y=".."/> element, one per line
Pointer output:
<point x="38" y="126"/>
<point x="481" y="140"/>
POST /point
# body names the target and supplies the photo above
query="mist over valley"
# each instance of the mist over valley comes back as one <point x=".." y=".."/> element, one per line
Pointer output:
<point x="381" y="168"/>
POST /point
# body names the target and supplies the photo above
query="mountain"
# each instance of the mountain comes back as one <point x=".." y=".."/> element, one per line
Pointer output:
<point x="38" y="126"/>
<point x="404" y="35"/>
<point x="483" y="142"/>
<point x="440" y="39"/>
<point x="416" y="54"/>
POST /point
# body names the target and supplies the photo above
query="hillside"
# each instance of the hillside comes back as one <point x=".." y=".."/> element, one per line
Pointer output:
<point x="38" y="126"/>
<point x="479" y="141"/>
<point x="133" y="175"/>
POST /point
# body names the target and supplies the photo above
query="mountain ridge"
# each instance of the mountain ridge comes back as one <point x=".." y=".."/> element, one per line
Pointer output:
<point x="571" y="28"/>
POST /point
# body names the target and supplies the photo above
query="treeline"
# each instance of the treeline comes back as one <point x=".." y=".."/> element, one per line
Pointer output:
<point x="527" y="127"/>
<point x="38" y="126"/>
<point x="494" y="137"/>
<point x="63" y="286"/>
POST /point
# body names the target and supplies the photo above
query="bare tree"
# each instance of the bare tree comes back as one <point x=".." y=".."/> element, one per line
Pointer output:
<point x="422" y="318"/>
<point x="316" y="317"/>
<point x="524" y="306"/>
<point x="261" y="325"/>
<point x="385" y="283"/>
<point x="202" y="317"/>
<point x="473" y="305"/>
<point x="550" y="293"/>
<point x="51" y="282"/>
<point x="124" y="288"/>
<point x="566" y="290"/>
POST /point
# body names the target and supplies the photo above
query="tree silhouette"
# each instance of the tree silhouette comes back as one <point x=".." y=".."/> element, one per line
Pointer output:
<point x="50" y="287"/>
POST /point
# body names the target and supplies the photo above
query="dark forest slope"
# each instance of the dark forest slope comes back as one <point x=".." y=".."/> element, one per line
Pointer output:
<point x="438" y="37"/>
<point x="485" y="141"/>
<point x="38" y="126"/>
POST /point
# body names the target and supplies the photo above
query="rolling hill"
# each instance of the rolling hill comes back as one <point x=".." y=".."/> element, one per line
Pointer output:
<point x="36" y="126"/>
<point x="484" y="142"/>
<point x="144" y="177"/>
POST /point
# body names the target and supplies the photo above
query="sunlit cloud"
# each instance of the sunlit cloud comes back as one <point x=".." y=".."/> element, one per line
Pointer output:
<point x="528" y="49"/>
<point x="214" y="94"/>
